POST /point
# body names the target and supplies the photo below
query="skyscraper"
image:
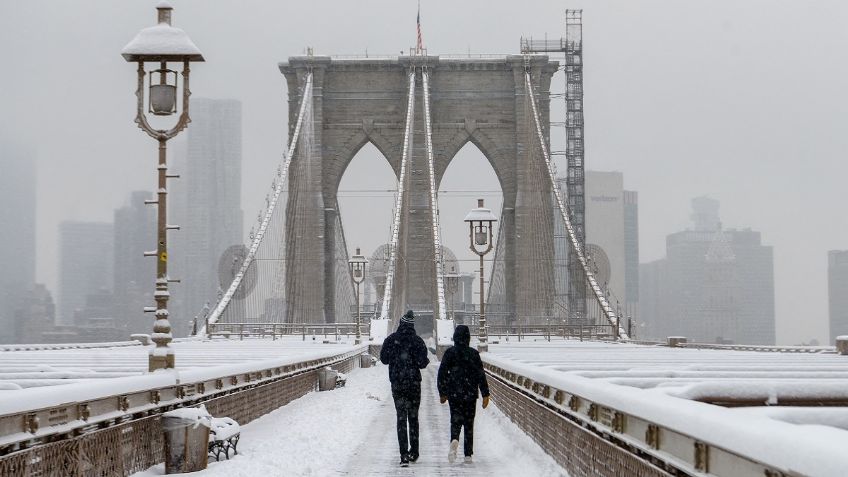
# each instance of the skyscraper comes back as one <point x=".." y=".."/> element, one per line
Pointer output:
<point x="612" y="237"/>
<point x="135" y="274"/>
<point x="85" y="268"/>
<point x="715" y="284"/>
<point x="17" y="232"/>
<point x="208" y="209"/>
<point x="837" y="292"/>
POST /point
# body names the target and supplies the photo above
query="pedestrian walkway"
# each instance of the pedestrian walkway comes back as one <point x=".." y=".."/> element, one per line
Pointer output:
<point x="379" y="454"/>
<point x="351" y="432"/>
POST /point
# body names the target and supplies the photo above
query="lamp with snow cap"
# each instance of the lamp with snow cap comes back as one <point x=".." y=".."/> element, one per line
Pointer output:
<point x="480" y="222"/>
<point x="160" y="44"/>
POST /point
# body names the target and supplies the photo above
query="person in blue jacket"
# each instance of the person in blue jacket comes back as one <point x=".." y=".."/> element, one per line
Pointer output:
<point x="460" y="377"/>
<point x="406" y="354"/>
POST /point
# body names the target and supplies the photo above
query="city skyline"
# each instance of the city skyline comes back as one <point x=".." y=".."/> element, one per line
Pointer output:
<point x="665" y="124"/>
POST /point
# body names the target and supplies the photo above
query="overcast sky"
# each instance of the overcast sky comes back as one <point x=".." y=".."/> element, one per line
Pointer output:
<point x="744" y="101"/>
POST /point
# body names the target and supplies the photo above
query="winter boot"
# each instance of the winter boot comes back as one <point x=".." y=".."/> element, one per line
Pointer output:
<point x="454" y="445"/>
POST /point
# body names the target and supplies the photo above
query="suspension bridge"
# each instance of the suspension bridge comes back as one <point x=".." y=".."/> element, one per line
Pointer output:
<point x="298" y="256"/>
<point x="571" y="389"/>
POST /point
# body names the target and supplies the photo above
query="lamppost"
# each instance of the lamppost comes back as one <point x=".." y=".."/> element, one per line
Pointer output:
<point x="480" y="222"/>
<point x="452" y="285"/>
<point x="357" y="265"/>
<point x="160" y="44"/>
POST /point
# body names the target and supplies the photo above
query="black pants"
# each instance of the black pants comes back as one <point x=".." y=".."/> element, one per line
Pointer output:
<point x="407" y="401"/>
<point x="462" y="415"/>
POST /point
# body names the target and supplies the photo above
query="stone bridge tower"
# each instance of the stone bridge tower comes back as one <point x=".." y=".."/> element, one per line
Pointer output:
<point x="482" y="101"/>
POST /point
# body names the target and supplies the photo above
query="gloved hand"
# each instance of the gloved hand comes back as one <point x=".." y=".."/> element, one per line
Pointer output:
<point x="485" y="402"/>
<point x="443" y="399"/>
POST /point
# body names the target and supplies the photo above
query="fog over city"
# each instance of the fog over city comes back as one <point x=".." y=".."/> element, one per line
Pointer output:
<point x="741" y="101"/>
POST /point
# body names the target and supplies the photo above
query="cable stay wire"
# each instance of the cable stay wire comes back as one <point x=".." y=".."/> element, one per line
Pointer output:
<point x="600" y="297"/>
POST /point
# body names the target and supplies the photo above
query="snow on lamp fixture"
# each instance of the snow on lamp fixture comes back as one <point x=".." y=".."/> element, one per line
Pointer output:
<point x="160" y="44"/>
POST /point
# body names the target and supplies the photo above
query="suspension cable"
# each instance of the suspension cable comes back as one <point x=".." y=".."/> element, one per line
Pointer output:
<point x="306" y="101"/>
<point x="609" y="313"/>
<point x="393" y="245"/>
<point x="434" y="203"/>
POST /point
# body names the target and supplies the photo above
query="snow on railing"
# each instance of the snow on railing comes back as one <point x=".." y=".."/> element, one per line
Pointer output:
<point x="662" y="427"/>
<point x="393" y="245"/>
<point x="305" y="101"/>
<point x="609" y="313"/>
<point x="33" y="416"/>
<point x="61" y="346"/>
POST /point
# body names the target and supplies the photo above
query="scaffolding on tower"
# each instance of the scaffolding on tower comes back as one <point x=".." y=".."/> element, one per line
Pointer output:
<point x="571" y="49"/>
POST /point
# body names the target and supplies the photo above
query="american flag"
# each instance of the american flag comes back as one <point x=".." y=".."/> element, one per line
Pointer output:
<point x="419" y="47"/>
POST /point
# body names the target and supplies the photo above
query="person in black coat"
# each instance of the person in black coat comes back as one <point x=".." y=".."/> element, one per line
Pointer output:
<point x="461" y="375"/>
<point x="405" y="353"/>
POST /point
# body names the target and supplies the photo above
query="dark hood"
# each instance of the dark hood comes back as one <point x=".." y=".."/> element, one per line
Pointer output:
<point x="461" y="336"/>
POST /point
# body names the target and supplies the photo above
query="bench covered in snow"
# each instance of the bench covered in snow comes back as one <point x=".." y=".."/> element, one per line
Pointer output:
<point x="223" y="437"/>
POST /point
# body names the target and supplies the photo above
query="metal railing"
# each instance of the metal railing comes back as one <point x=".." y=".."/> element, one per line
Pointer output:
<point x="38" y="434"/>
<point x="549" y="331"/>
<point x="279" y="330"/>
<point x="585" y="422"/>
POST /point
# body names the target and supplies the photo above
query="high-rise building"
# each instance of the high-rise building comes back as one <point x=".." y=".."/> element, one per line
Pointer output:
<point x="715" y="285"/>
<point x="612" y="241"/>
<point x="208" y="208"/>
<point x="837" y="292"/>
<point x="35" y="315"/>
<point x="85" y="268"/>
<point x="135" y="274"/>
<point x="17" y="232"/>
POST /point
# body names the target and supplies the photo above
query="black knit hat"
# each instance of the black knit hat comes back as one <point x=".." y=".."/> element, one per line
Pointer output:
<point x="408" y="317"/>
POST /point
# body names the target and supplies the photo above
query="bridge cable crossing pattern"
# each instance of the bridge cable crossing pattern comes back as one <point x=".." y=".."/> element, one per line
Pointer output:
<point x="273" y="204"/>
<point x="382" y="328"/>
<point x="604" y="305"/>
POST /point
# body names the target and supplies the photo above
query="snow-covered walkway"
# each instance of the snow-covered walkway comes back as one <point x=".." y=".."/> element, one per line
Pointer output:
<point x="351" y="431"/>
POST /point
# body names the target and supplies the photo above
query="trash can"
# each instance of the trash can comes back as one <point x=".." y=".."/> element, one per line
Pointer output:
<point x="186" y="439"/>
<point x="327" y="379"/>
<point x="365" y="360"/>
